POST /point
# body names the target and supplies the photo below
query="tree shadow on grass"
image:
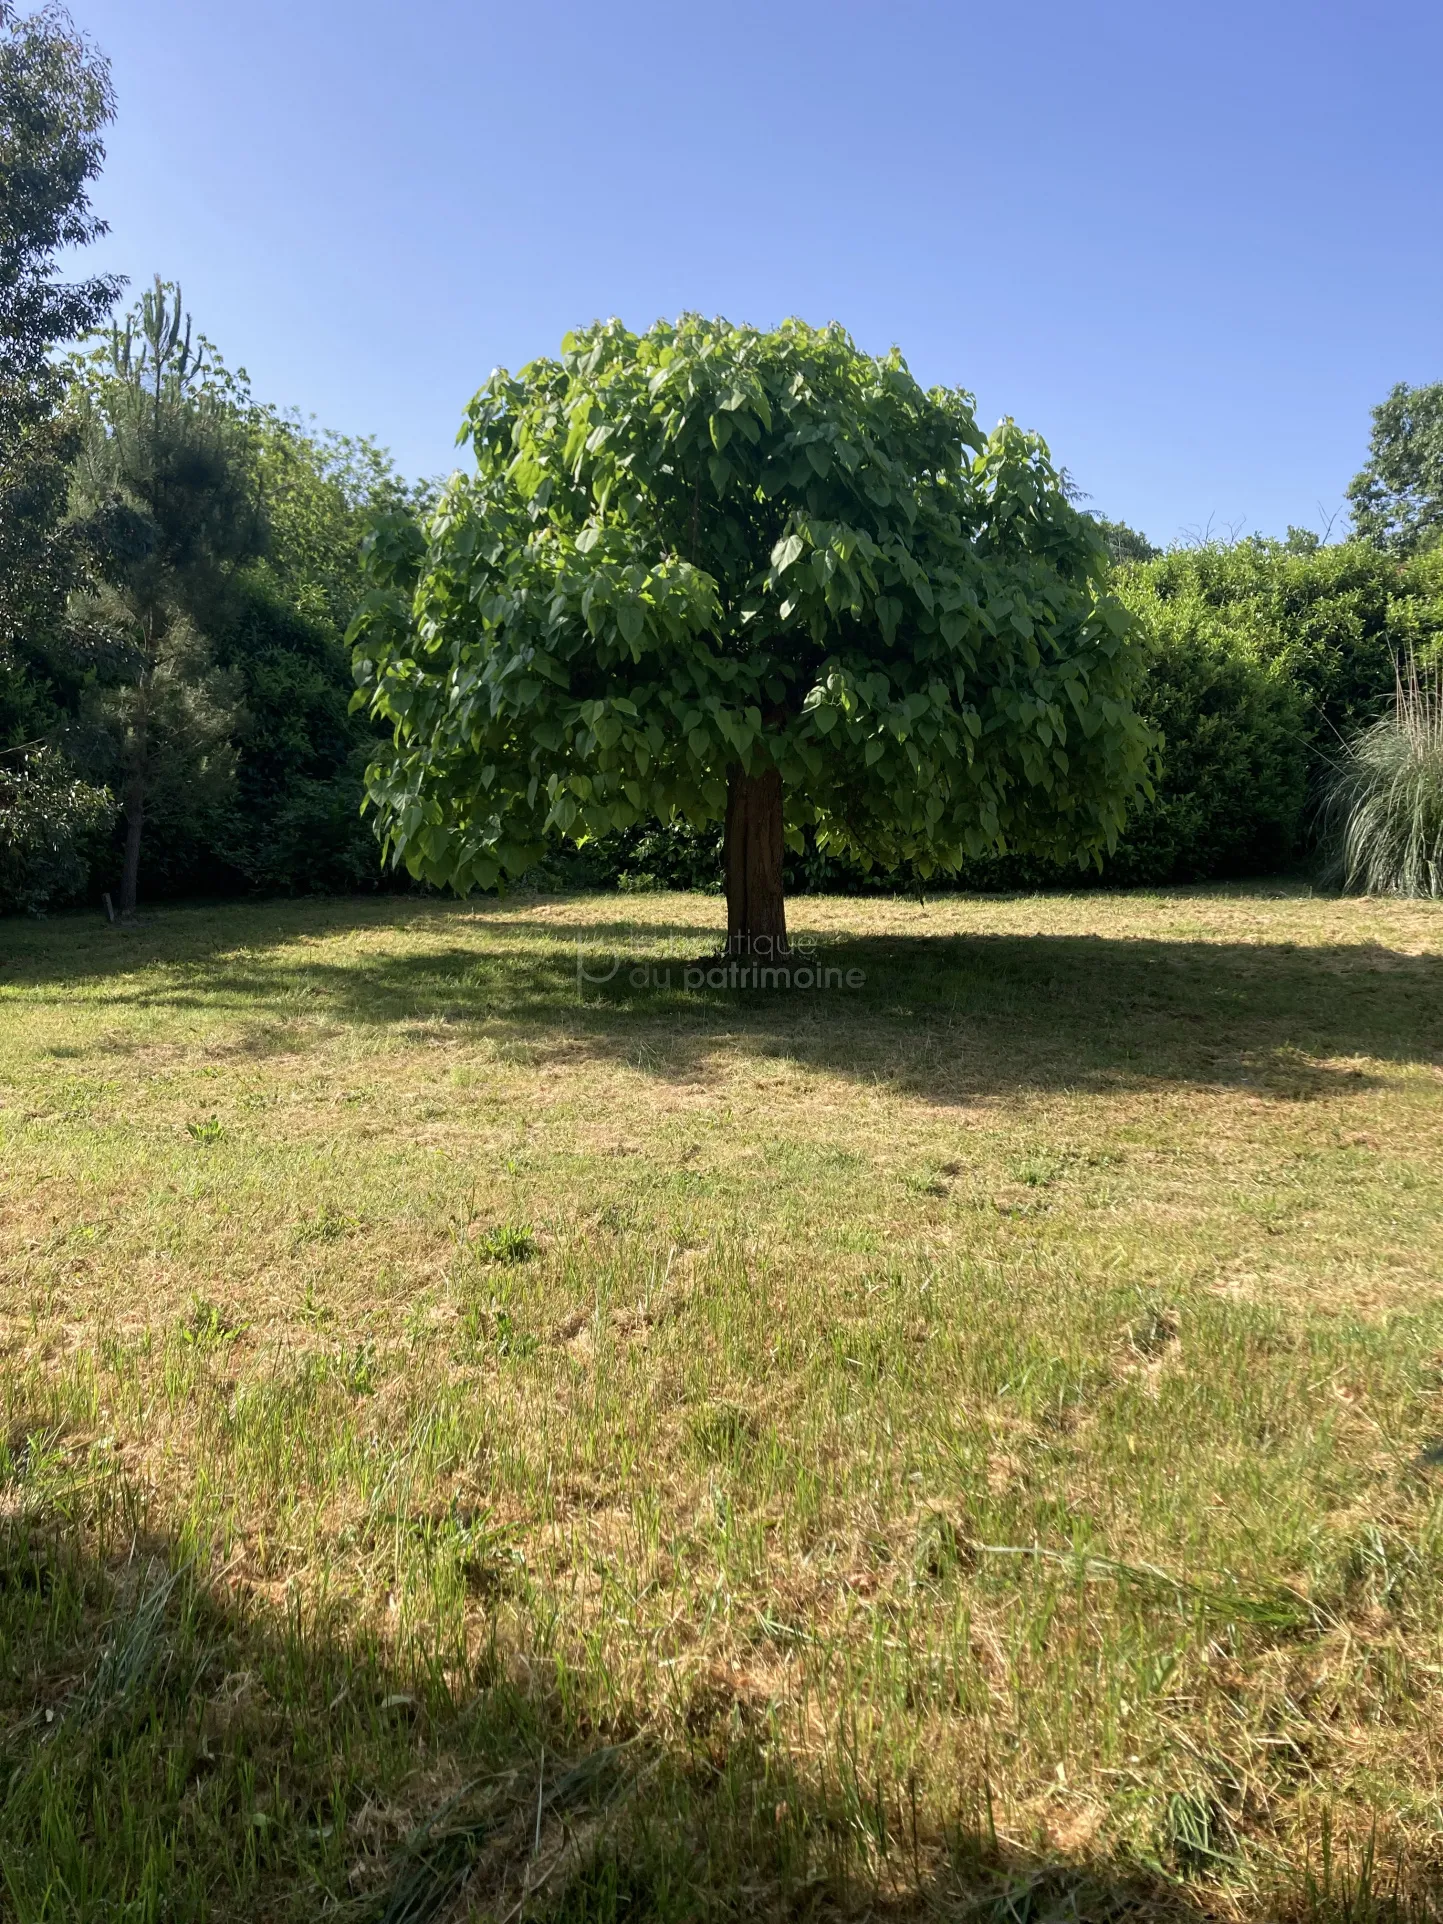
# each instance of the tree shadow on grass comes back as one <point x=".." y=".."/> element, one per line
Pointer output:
<point x="949" y="1018"/>
<point x="177" y="1743"/>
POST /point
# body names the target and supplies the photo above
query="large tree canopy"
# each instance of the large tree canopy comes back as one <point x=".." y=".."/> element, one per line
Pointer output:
<point x="759" y="578"/>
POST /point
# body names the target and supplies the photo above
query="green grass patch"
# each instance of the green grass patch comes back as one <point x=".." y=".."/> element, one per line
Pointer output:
<point x="478" y="1442"/>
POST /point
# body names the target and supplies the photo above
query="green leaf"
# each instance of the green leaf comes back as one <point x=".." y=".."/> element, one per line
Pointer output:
<point x="786" y="552"/>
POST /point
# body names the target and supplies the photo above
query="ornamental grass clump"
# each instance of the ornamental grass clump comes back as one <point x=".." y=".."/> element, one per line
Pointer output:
<point x="1386" y="801"/>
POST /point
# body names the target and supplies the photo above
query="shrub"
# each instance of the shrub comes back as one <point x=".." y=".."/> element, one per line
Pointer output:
<point x="1336" y="619"/>
<point x="296" y="826"/>
<point x="1264" y="659"/>
<point x="1233" y="779"/>
<point x="51" y="823"/>
<point x="1386" y="801"/>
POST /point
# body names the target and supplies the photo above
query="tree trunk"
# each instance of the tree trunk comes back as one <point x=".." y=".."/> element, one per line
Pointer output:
<point x="752" y="854"/>
<point x="134" y="820"/>
<point x="139" y="749"/>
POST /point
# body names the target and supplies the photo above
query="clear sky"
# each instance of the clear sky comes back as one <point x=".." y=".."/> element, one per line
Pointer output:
<point x="1191" y="244"/>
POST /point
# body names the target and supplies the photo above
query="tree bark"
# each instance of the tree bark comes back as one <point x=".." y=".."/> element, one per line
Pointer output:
<point x="139" y="750"/>
<point x="134" y="820"/>
<point x="752" y="855"/>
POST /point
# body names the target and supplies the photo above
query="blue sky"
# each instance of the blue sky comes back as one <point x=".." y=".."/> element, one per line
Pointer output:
<point x="1190" y="244"/>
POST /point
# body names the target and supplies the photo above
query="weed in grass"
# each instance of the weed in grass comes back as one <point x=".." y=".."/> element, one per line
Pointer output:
<point x="326" y="1225"/>
<point x="1196" y="1834"/>
<point x="941" y="1549"/>
<point x="490" y="1330"/>
<point x="210" y="1325"/>
<point x="135" y="1651"/>
<point x="723" y="1433"/>
<point x="1039" y="1172"/>
<point x="313" y="1311"/>
<point x="211" y="1130"/>
<point x="355" y="1369"/>
<point x="925" y="1182"/>
<point x="504" y="1243"/>
<point x="1155" y="1334"/>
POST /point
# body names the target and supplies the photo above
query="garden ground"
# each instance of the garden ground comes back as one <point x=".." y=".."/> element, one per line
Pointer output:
<point x="479" y="1440"/>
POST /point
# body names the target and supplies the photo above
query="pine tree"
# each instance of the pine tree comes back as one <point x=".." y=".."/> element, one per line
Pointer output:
<point x="163" y="486"/>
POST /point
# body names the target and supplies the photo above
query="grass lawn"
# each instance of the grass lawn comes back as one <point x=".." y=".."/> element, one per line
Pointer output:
<point x="967" y="1443"/>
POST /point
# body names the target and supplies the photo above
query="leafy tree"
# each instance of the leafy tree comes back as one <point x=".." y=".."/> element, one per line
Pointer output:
<point x="320" y="493"/>
<point x="1124" y="544"/>
<point x="293" y="819"/>
<point x="301" y="753"/>
<point x="163" y="488"/>
<point x="228" y="726"/>
<point x="755" y="578"/>
<point x="55" y="99"/>
<point x="1398" y="496"/>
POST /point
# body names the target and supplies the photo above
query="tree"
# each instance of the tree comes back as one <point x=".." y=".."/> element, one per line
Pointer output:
<point x="1398" y="496"/>
<point x="1124" y="543"/>
<point x="256" y="766"/>
<point x="753" y="578"/>
<point x="55" y="99"/>
<point x="320" y="492"/>
<point x="163" y="489"/>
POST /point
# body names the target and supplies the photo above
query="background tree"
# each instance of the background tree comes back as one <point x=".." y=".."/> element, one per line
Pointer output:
<point x="55" y="99"/>
<point x="1398" y="496"/>
<point x="321" y="493"/>
<point x="255" y="767"/>
<point x="259" y="765"/>
<point x="756" y="578"/>
<point x="1124" y="543"/>
<point x="301" y="752"/>
<point x="162" y="488"/>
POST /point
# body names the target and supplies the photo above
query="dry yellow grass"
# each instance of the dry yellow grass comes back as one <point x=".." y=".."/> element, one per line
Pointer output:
<point x="970" y="1434"/>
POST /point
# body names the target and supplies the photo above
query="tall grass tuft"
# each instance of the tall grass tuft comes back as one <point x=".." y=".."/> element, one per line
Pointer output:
<point x="1385" y="804"/>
